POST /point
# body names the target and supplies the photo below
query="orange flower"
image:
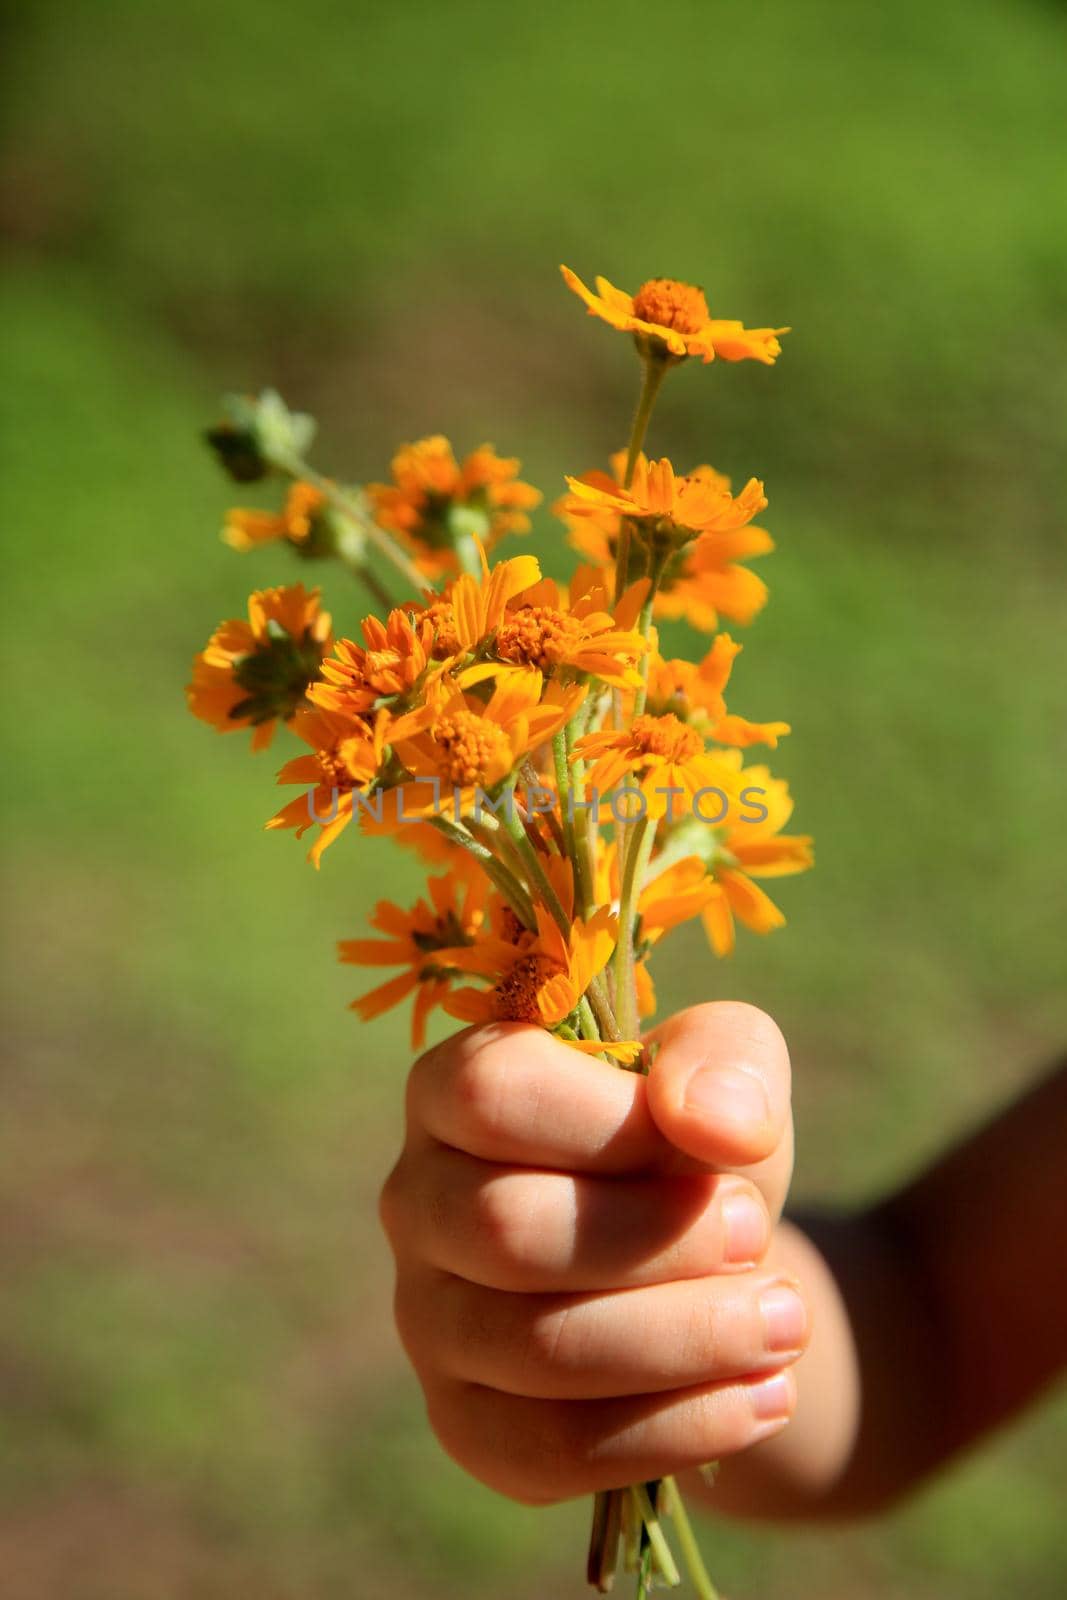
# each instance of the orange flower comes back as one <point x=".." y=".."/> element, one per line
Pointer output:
<point x="694" y="692"/>
<point x="563" y="635"/>
<point x="536" y="977"/>
<point x="244" y="530"/>
<point x="388" y="665"/>
<point x="422" y="941"/>
<point x="404" y="657"/>
<point x="434" y="502"/>
<point x="699" y="502"/>
<point x="710" y="530"/>
<point x="664" y="754"/>
<point x="705" y="581"/>
<point x="470" y="747"/>
<point x="672" y="319"/>
<point x="251" y="674"/>
<point x="470" y="609"/>
<point x="347" y="756"/>
<point x="675" y="895"/>
<point x="749" y="850"/>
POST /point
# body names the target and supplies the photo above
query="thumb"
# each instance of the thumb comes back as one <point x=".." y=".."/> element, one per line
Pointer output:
<point x="719" y="1091"/>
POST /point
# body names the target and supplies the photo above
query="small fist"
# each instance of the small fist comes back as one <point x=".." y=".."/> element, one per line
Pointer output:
<point x="581" y="1277"/>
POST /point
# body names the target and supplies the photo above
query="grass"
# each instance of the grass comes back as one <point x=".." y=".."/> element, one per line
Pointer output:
<point x="206" y="1395"/>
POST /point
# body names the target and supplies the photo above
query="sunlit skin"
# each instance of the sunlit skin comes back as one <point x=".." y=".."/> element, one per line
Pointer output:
<point x="583" y="1282"/>
<point x="595" y="1284"/>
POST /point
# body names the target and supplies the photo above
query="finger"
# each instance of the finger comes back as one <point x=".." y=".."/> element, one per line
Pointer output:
<point x="719" y="1090"/>
<point x="510" y="1092"/>
<point x="544" y="1232"/>
<point x="540" y="1451"/>
<point x="586" y="1347"/>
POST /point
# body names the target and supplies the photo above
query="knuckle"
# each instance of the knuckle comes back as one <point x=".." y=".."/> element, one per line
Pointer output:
<point x="477" y="1088"/>
<point x="518" y="1225"/>
<point x="549" y="1343"/>
<point x="498" y="1224"/>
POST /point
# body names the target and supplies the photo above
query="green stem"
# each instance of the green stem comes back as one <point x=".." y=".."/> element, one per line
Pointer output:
<point x="644" y="627"/>
<point x="355" y="512"/>
<point x="502" y="848"/>
<point x="539" y="878"/>
<point x="609" y="1028"/>
<point x="694" y="1562"/>
<point x="658" y="1545"/>
<point x="576" y="847"/>
<point x="556" y="824"/>
<point x="633" y="869"/>
<point x="655" y="372"/>
<point x="587" y="825"/>
<point x="631" y="1532"/>
<point x="587" y="1020"/>
<point x="505" y="881"/>
<point x="604" y="1537"/>
<point x="622" y="558"/>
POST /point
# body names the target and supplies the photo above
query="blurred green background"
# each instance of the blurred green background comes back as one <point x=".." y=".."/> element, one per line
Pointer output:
<point x="366" y="205"/>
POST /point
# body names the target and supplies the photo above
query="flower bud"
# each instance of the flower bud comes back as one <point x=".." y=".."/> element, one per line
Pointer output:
<point x="259" y="435"/>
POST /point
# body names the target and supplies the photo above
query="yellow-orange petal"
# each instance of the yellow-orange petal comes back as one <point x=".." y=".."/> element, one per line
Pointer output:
<point x="624" y="1050"/>
<point x="719" y="923"/>
<point x="749" y="903"/>
<point x="387" y="995"/>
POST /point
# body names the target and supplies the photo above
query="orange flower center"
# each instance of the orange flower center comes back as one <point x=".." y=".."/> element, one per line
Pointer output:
<point x="511" y="928"/>
<point x="444" y="933"/>
<point x="538" y="636"/>
<point x="382" y="669"/>
<point x="343" y="766"/>
<point x="472" y="748"/>
<point x="335" y="775"/>
<point x="446" y="639"/>
<point x="670" y="304"/>
<point x="515" y="994"/>
<point x="666" y="737"/>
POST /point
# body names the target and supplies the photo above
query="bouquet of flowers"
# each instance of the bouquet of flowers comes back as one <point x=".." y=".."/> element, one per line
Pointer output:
<point x="574" y="792"/>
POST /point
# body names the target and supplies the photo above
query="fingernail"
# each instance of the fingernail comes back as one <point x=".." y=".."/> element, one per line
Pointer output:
<point x="727" y="1094"/>
<point x="785" y="1318"/>
<point x="744" y="1228"/>
<point x="772" y="1400"/>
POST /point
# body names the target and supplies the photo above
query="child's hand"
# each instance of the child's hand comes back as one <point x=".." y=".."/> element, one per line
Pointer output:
<point x="582" y="1298"/>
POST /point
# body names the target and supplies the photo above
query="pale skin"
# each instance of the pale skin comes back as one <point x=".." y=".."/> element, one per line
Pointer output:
<point x="596" y="1287"/>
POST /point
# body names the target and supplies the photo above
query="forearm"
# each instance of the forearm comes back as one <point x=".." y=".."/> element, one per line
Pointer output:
<point x="867" y="1417"/>
<point x="935" y="1316"/>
